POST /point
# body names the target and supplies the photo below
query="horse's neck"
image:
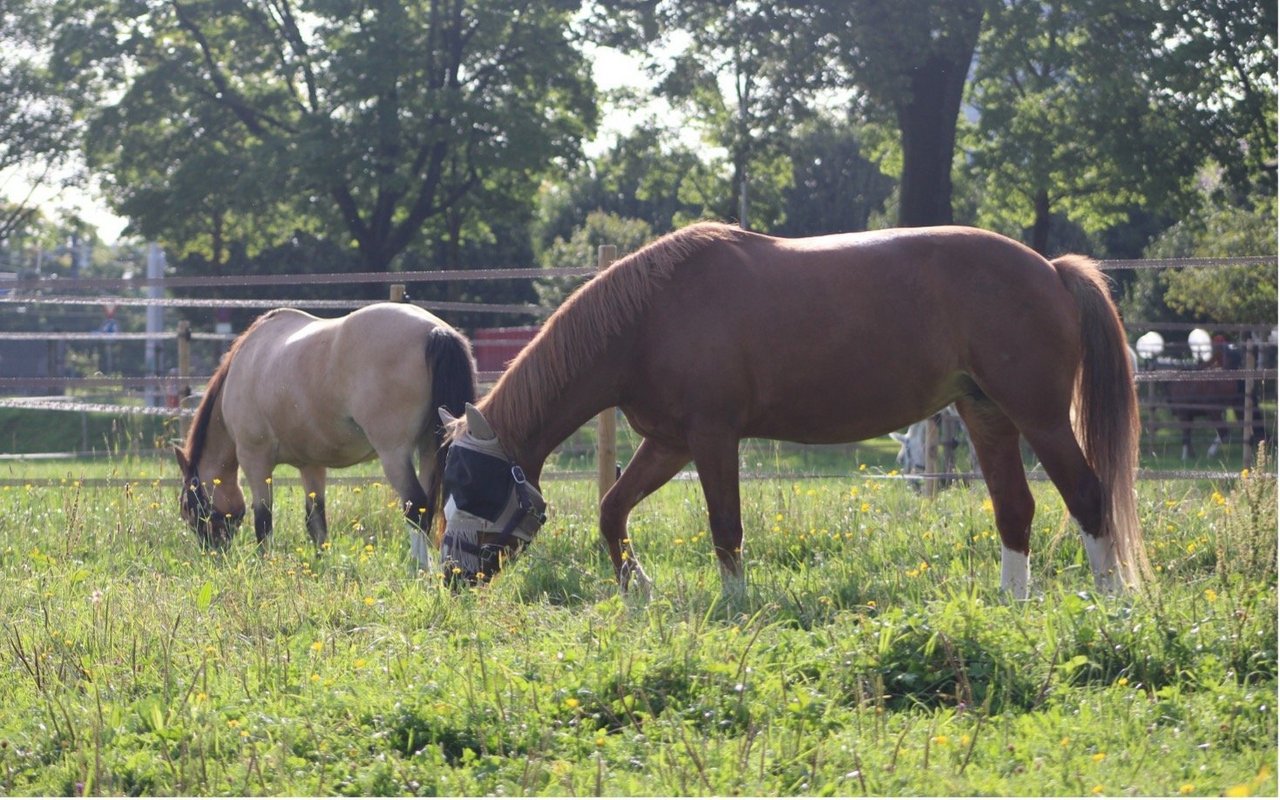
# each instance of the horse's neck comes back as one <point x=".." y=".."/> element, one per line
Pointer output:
<point x="218" y="464"/>
<point x="530" y="435"/>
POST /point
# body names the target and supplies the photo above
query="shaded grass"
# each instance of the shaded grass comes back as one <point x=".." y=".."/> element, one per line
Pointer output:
<point x="872" y="656"/>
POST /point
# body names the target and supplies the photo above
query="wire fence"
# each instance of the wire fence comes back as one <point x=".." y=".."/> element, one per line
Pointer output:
<point x="71" y="291"/>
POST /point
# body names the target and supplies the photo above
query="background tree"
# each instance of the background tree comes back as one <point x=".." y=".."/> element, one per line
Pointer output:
<point x="911" y="59"/>
<point x="1067" y="118"/>
<point x="1220" y="76"/>
<point x="189" y="174"/>
<point x="1231" y="295"/>
<point x="639" y="177"/>
<point x="737" y="70"/>
<point x="376" y="118"/>
<point x="582" y="249"/>
<point x="36" y="125"/>
<point x="834" y="186"/>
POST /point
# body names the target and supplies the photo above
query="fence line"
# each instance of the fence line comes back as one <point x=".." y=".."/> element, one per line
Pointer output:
<point x="107" y="338"/>
<point x="159" y="381"/>
<point x="688" y="475"/>
<point x="479" y="274"/>
<point x="397" y="279"/>
<point x="338" y="305"/>
<point x="317" y="278"/>
<point x="1183" y="263"/>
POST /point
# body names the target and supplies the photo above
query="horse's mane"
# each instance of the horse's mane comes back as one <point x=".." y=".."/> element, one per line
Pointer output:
<point x="580" y="327"/>
<point x="193" y="449"/>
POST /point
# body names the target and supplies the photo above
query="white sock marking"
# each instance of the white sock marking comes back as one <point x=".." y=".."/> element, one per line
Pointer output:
<point x="1015" y="573"/>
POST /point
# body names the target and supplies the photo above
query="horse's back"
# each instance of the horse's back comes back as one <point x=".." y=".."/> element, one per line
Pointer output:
<point x="870" y="331"/>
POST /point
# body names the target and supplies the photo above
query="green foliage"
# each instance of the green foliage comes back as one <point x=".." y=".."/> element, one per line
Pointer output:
<point x="1245" y="294"/>
<point x="639" y="177"/>
<point x="37" y="115"/>
<point x="245" y="119"/>
<point x="1068" y="122"/>
<point x="582" y="249"/>
<point x="835" y="185"/>
<point x="1247" y="543"/>
<point x="1220" y="76"/>
<point x="872" y="656"/>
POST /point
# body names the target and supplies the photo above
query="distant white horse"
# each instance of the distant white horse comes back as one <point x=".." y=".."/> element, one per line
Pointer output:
<point x="911" y="454"/>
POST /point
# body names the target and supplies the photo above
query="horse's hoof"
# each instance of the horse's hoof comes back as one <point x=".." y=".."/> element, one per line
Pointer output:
<point x="635" y="583"/>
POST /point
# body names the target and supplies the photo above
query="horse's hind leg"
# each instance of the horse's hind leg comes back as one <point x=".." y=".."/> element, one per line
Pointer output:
<point x="313" y="486"/>
<point x="1188" y="451"/>
<point x="1082" y="491"/>
<point x="1221" y="433"/>
<point x="652" y="465"/>
<point x="418" y="508"/>
<point x="994" y="439"/>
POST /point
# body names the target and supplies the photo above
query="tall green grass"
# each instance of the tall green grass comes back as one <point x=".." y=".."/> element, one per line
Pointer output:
<point x="873" y="654"/>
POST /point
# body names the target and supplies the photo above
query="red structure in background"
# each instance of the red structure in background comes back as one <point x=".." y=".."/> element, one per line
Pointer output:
<point x="495" y="347"/>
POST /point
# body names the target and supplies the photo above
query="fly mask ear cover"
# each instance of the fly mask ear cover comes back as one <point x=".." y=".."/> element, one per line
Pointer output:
<point x="488" y="495"/>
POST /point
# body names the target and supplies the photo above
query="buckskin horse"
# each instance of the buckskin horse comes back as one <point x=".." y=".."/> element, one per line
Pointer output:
<point x="318" y="393"/>
<point x="712" y="334"/>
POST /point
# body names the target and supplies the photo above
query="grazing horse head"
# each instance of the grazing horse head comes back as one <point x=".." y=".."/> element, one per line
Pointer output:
<point x="910" y="457"/>
<point x="492" y="510"/>
<point x="213" y="527"/>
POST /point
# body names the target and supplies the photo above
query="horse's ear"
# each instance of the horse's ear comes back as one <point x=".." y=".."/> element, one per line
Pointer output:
<point x="445" y="417"/>
<point x="478" y="426"/>
<point x="898" y="437"/>
<point x="183" y="463"/>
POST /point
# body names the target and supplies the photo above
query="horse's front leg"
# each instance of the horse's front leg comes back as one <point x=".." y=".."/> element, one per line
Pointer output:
<point x="716" y="457"/>
<point x="313" y="486"/>
<point x="259" y="479"/>
<point x="417" y="506"/>
<point x="652" y="465"/>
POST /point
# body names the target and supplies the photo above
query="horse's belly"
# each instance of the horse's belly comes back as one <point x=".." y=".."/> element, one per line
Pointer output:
<point x="337" y="447"/>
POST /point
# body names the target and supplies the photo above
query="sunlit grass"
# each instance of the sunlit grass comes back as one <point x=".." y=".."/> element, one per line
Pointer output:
<point x="873" y="654"/>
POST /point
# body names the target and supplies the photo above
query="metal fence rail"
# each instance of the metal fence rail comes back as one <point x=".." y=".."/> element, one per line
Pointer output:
<point x="70" y="292"/>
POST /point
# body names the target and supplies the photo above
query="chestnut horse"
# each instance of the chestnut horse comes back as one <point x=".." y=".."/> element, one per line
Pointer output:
<point x="1211" y="398"/>
<point x="712" y="334"/>
<point x="317" y="393"/>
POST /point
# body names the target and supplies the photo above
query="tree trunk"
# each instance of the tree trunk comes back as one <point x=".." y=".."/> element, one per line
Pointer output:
<point x="1040" y="228"/>
<point x="927" y="119"/>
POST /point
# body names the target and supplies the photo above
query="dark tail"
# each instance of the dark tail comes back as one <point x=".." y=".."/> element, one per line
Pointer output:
<point x="453" y="385"/>
<point x="1106" y="406"/>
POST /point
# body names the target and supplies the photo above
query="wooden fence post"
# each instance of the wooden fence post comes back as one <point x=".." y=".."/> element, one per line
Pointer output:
<point x="397" y="292"/>
<point x="1250" y="364"/>
<point x="184" y="359"/>
<point x="931" y="431"/>
<point x="607" y="421"/>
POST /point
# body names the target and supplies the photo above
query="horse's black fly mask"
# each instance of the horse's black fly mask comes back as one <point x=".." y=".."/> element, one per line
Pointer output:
<point x="491" y="512"/>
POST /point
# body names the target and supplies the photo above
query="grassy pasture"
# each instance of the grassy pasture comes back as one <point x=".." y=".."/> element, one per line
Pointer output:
<point x="874" y="655"/>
